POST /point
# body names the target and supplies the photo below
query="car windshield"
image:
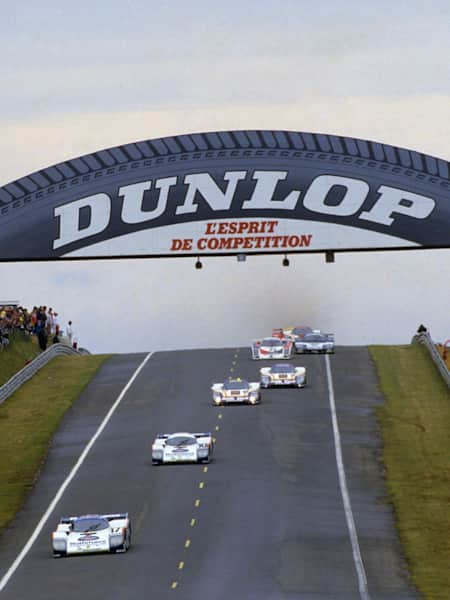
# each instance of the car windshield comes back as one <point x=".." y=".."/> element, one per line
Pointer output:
<point x="301" y="330"/>
<point x="90" y="524"/>
<point x="315" y="338"/>
<point x="283" y="369"/>
<point x="271" y="342"/>
<point x="181" y="440"/>
<point x="235" y="385"/>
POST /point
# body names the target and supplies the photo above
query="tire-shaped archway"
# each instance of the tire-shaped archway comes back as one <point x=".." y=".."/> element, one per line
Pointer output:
<point x="228" y="192"/>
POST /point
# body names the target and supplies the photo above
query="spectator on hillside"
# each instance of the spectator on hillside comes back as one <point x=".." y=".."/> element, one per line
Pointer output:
<point x="69" y="332"/>
<point x="56" y="322"/>
<point x="42" y="338"/>
<point x="50" y="322"/>
<point x="17" y="318"/>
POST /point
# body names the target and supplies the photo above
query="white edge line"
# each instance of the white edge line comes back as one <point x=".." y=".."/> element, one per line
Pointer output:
<point x="10" y="572"/>
<point x="357" y="558"/>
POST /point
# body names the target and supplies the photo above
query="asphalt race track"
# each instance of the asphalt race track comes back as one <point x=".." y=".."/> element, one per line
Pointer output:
<point x="264" y="521"/>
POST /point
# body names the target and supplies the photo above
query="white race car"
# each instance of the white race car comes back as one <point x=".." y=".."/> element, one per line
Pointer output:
<point x="284" y="375"/>
<point x="272" y="347"/>
<point x="92" y="533"/>
<point x="182" y="448"/>
<point x="315" y="342"/>
<point x="236" y="391"/>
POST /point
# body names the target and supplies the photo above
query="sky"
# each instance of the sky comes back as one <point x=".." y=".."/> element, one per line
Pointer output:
<point x="78" y="77"/>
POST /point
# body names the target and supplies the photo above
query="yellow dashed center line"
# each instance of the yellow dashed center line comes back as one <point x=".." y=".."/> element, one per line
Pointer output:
<point x="201" y="485"/>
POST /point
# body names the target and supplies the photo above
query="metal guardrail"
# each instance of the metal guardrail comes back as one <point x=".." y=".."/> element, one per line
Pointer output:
<point x="33" y="367"/>
<point x="424" y="337"/>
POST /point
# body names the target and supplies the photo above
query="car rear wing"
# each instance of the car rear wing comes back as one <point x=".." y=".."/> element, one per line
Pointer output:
<point x="164" y="436"/>
<point x="116" y="516"/>
<point x="109" y="517"/>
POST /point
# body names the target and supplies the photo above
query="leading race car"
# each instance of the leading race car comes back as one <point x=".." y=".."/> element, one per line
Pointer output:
<point x="92" y="533"/>
<point x="283" y="375"/>
<point x="315" y="342"/>
<point x="182" y="448"/>
<point x="236" y="391"/>
<point x="272" y="347"/>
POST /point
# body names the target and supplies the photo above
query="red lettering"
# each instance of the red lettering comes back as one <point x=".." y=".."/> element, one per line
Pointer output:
<point x="225" y="243"/>
<point x="180" y="245"/>
<point x="270" y="226"/>
<point x="210" y="228"/>
<point x="306" y="240"/>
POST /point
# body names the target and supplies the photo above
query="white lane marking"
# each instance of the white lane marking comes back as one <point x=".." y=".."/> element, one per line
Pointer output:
<point x="10" y="572"/>
<point x="357" y="558"/>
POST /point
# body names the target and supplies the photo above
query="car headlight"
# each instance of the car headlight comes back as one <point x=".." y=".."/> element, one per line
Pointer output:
<point x="116" y="539"/>
<point x="265" y="378"/>
<point x="217" y="398"/>
<point x="157" y="453"/>
<point x="60" y="544"/>
<point x="202" y="452"/>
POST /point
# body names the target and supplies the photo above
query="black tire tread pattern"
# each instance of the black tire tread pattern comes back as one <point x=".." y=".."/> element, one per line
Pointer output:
<point x="222" y="141"/>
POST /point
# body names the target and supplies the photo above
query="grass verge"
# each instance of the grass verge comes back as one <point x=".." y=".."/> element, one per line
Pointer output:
<point x="22" y="348"/>
<point x="415" y="426"/>
<point x="28" y="420"/>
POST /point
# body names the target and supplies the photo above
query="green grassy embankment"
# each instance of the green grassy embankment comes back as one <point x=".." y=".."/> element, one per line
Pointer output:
<point x="28" y="420"/>
<point x="415" y="426"/>
<point x="22" y="348"/>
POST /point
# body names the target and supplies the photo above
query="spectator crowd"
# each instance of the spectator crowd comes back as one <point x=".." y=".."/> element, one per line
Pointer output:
<point x="41" y="322"/>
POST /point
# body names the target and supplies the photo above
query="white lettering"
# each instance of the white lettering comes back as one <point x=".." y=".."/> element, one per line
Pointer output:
<point x="262" y="197"/>
<point x="393" y="200"/>
<point x="133" y="196"/>
<point x="211" y="192"/>
<point x="354" y="196"/>
<point x="99" y="206"/>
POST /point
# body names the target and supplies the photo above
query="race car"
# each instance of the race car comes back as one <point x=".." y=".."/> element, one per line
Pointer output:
<point x="92" y="533"/>
<point x="236" y="391"/>
<point x="297" y="333"/>
<point x="182" y="448"/>
<point x="315" y="342"/>
<point x="284" y="375"/>
<point x="272" y="347"/>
